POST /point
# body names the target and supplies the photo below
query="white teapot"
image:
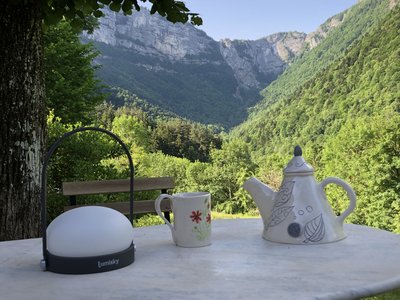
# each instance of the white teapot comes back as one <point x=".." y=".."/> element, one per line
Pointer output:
<point x="299" y="212"/>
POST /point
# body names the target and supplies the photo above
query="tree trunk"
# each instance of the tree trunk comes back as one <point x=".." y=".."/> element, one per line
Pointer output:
<point x="22" y="122"/>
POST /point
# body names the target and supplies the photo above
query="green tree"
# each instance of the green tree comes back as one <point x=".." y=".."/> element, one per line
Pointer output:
<point x="366" y="153"/>
<point x="231" y="166"/>
<point x="158" y="164"/>
<point x="186" y="139"/>
<point x="22" y="94"/>
<point x="104" y="115"/>
<point x="135" y="134"/>
<point x="72" y="90"/>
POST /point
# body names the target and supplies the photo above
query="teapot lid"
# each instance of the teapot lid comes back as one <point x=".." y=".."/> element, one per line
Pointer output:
<point x="297" y="164"/>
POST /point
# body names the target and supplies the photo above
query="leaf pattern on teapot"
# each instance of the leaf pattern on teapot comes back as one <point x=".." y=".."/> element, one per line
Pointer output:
<point x="279" y="215"/>
<point x="314" y="230"/>
<point x="284" y="194"/>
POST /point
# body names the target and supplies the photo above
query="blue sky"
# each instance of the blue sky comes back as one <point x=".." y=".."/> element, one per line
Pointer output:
<point x="254" y="19"/>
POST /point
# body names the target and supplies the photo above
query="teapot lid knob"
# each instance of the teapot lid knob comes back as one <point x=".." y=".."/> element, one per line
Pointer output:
<point x="297" y="165"/>
<point x="298" y="151"/>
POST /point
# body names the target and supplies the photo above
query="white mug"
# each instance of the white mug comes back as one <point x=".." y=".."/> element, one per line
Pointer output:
<point x="192" y="218"/>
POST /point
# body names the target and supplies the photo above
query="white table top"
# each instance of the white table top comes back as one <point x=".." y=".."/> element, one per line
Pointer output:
<point x="238" y="265"/>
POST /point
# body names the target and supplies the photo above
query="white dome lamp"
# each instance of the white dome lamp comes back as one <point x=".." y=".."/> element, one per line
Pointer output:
<point x="89" y="239"/>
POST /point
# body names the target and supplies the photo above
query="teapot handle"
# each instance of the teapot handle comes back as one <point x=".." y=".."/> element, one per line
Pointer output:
<point x="350" y="193"/>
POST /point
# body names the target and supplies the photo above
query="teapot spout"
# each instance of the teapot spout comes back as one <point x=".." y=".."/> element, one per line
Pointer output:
<point x="262" y="195"/>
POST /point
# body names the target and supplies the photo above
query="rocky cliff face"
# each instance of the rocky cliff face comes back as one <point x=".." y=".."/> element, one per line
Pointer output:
<point x="141" y="50"/>
<point x="257" y="63"/>
<point x="254" y="63"/>
<point x="314" y="38"/>
<point x="151" y="35"/>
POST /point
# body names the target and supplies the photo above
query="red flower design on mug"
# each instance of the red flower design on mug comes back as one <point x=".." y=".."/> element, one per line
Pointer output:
<point x="208" y="218"/>
<point x="196" y="216"/>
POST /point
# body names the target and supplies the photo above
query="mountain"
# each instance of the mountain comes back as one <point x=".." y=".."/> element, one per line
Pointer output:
<point x="262" y="125"/>
<point x="179" y="68"/>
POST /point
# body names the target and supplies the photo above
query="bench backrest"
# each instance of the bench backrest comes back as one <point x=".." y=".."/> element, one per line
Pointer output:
<point x="79" y="188"/>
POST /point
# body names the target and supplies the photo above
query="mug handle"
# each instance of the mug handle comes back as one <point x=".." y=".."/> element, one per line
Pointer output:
<point x="157" y="204"/>
<point x="350" y="193"/>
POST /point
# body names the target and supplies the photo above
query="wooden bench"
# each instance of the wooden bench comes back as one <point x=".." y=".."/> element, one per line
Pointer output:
<point x="79" y="188"/>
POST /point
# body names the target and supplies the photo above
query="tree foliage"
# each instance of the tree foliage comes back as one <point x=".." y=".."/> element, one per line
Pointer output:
<point x="231" y="166"/>
<point x="72" y="91"/>
<point x="76" y="12"/>
<point x="186" y="139"/>
<point x="171" y="135"/>
<point x="366" y="151"/>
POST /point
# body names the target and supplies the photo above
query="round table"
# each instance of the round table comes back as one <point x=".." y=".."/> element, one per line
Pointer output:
<point x="238" y="265"/>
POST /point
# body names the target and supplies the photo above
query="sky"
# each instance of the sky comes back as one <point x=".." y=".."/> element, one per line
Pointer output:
<point x="254" y="19"/>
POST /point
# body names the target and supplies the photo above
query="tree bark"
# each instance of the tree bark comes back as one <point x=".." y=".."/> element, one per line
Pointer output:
<point x="22" y="123"/>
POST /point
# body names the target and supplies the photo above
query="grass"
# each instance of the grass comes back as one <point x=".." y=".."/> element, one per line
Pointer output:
<point x="150" y="220"/>
<point x="219" y="215"/>
<point x="392" y="295"/>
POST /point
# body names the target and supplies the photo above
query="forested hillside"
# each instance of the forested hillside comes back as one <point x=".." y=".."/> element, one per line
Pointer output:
<point x="358" y="83"/>
<point x="347" y="119"/>
<point x="354" y="23"/>
<point x="196" y="91"/>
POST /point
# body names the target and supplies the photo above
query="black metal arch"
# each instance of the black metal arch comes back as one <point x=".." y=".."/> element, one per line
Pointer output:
<point x="43" y="193"/>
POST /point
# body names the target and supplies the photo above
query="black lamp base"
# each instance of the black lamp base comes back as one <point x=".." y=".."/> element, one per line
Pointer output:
<point x="91" y="264"/>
